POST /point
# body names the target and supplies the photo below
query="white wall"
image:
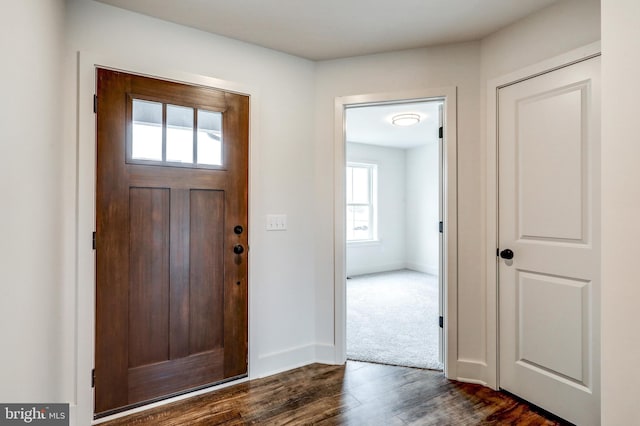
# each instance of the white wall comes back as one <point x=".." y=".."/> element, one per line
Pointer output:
<point x="292" y="172"/>
<point x="388" y="253"/>
<point x="430" y="68"/>
<point x="408" y="210"/>
<point x="620" y="212"/>
<point x="422" y="232"/>
<point x="31" y="329"/>
<point x="282" y="278"/>
<point x="561" y="27"/>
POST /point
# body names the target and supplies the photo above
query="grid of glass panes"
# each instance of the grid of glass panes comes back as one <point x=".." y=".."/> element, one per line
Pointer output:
<point x="187" y="136"/>
<point x="360" y="202"/>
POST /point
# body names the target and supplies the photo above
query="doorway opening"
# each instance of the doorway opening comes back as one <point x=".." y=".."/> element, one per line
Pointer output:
<point x="448" y="259"/>
<point x="393" y="242"/>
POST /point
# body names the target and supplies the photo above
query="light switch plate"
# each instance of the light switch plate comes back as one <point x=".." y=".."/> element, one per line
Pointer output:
<point x="276" y="222"/>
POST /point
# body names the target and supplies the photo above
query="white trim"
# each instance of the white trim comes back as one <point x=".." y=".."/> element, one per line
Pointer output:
<point x="491" y="277"/>
<point x="82" y="406"/>
<point x="421" y="267"/>
<point x="325" y="354"/>
<point x="381" y="267"/>
<point x="364" y="243"/>
<point x="386" y="267"/>
<point x="288" y="359"/>
<point x="471" y="371"/>
<point x="449" y="95"/>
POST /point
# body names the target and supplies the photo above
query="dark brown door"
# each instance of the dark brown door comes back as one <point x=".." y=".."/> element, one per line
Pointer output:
<point x="171" y="238"/>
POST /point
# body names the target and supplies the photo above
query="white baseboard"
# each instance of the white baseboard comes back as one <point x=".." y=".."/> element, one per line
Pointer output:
<point x="421" y="267"/>
<point x="374" y="269"/>
<point x="278" y="362"/>
<point x="326" y="354"/>
<point x="471" y="371"/>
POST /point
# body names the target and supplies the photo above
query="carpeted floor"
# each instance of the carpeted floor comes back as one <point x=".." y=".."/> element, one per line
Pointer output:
<point x="392" y="318"/>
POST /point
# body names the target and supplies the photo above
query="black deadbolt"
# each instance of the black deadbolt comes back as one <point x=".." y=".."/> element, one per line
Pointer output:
<point x="238" y="229"/>
<point x="506" y="254"/>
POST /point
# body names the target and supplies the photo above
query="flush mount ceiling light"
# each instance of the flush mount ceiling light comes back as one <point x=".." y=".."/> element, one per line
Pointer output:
<point x="405" y="119"/>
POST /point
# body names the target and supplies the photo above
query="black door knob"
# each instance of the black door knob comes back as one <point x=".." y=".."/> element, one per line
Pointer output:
<point x="506" y="254"/>
<point x="238" y="249"/>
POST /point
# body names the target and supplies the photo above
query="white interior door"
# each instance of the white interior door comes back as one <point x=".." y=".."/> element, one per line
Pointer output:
<point x="549" y="217"/>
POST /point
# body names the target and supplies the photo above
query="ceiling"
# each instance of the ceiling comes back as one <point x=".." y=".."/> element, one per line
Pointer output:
<point x="372" y="124"/>
<point x="330" y="29"/>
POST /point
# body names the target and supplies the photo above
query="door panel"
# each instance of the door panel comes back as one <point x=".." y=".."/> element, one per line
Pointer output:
<point x="557" y="304"/>
<point x="148" y="275"/>
<point x="549" y="201"/>
<point x="148" y="382"/>
<point x="550" y="163"/>
<point x="206" y="271"/>
<point x="171" y="294"/>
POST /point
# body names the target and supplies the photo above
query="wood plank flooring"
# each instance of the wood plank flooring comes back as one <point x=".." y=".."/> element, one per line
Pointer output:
<point x="356" y="394"/>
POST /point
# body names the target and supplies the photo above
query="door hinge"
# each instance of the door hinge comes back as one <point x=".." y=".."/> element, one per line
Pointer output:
<point x="93" y="240"/>
<point x="95" y="104"/>
<point x="93" y="378"/>
<point x="441" y="322"/>
<point x="440" y="132"/>
<point x="441" y="227"/>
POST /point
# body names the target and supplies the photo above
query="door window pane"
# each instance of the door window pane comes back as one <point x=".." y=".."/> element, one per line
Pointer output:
<point x="209" y="138"/>
<point x="172" y="135"/>
<point x="179" y="134"/>
<point x="146" y="138"/>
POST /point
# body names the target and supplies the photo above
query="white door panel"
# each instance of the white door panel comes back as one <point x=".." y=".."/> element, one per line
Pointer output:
<point x="549" y="216"/>
<point x="549" y="164"/>
<point x="559" y="304"/>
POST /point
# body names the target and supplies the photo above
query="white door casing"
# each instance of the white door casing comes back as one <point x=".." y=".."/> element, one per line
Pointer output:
<point x="441" y="241"/>
<point x="449" y="261"/>
<point x="549" y="216"/>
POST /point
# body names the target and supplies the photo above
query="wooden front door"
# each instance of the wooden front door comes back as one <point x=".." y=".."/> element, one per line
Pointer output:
<point x="171" y="239"/>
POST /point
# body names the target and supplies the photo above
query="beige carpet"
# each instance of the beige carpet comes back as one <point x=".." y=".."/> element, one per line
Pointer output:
<point x="392" y="318"/>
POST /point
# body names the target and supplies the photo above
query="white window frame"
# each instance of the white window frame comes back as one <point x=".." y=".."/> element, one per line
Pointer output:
<point x="373" y="201"/>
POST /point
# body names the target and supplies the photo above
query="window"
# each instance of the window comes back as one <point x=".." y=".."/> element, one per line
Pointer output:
<point x="361" y="202"/>
<point x="174" y="135"/>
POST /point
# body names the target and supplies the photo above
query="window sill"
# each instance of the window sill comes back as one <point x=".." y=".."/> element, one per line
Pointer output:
<point x="363" y="243"/>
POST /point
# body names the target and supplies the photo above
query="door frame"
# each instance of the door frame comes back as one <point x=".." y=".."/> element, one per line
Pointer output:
<point x="84" y="160"/>
<point x="492" y="226"/>
<point x="449" y="184"/>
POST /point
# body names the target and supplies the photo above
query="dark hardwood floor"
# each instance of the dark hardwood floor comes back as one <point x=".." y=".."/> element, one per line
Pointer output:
<point x="356" y="394"/>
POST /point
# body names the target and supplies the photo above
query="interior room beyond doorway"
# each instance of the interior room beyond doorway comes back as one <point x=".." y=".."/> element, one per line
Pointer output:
<point x="393" y="164"/>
